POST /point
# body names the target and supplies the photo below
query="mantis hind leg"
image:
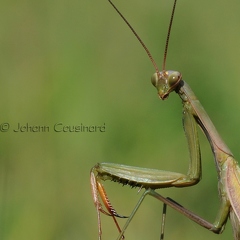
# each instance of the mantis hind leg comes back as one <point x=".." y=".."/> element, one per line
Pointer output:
<point x="164" y="214"/>
<point x="216" y="228"/>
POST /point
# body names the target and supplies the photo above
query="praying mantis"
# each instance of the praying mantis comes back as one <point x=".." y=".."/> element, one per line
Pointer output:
<point x="228" y="170"/>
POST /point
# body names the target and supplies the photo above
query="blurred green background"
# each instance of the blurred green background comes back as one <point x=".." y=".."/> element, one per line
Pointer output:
<point x="76" y="62"/>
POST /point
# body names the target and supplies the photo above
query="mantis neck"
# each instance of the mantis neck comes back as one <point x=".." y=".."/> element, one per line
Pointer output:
<point x="220" y="150"/>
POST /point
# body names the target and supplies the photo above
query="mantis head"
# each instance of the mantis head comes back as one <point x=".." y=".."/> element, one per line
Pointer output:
<point x="166" y="82"/>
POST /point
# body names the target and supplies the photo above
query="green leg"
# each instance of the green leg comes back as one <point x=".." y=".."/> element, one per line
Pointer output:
<point x="133" y="212"/>
<point x="216" y="227"/>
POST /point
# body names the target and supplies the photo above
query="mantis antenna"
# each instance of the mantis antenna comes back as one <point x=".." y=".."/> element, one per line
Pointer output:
<point x="142" y="43"/>
<point x="168" y="35"/>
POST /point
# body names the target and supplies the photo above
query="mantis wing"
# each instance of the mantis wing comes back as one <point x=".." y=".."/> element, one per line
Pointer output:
<point x="233" y="191"/>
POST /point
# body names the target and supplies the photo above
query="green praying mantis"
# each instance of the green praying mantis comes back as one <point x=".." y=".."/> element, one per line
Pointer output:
<point x="228" y="170"/>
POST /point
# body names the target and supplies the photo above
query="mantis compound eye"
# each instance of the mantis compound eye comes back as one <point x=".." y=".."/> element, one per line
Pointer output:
<point x="174" y="78"/>
<point x="154" y="79"/>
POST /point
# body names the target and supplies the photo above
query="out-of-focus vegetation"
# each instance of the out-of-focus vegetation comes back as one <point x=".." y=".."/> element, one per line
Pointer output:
<point x="76" y="62"/>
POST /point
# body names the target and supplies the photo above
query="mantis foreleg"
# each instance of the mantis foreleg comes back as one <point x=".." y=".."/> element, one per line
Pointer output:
<point x="147" y="178"/>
